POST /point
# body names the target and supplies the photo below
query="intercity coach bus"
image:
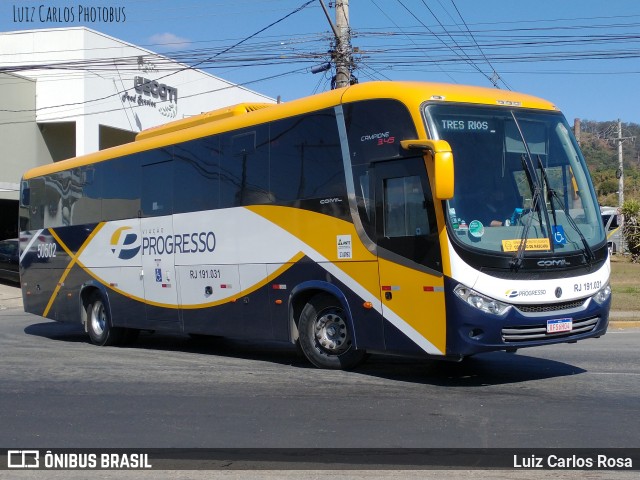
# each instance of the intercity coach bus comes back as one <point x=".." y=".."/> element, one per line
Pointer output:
<point x="417" y="219"/>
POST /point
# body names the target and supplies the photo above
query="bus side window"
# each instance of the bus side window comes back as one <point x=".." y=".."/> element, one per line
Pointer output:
<point x="88" y="206"/>
<point x="121" y="188"/>
<point x="56" y="185"/>
<point x="244" y="167"/>
<point x="405" y="212"/>
<point x="405" y="217"/>
<point x="157" y="184"/>
<point x="197" y="175"/>
<point x="375" y="129"/>
<point x="305" y="159"/>
<point x="36" y="203"/>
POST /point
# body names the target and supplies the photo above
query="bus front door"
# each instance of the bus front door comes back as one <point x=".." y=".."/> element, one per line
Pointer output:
<point x="409" y="260"/>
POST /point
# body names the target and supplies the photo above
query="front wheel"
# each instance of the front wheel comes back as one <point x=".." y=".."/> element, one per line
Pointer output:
<point x="325" y="336"/>
<point x="99" y="323"/>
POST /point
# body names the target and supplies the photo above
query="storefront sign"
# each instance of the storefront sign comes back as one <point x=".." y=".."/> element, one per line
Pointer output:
<point x="155" y="89"/>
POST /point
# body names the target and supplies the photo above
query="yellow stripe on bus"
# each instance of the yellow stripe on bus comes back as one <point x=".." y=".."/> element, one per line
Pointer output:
<point x="195" y="306"/>
<point x="286" y="266"/>
<point x="74" y="260"/>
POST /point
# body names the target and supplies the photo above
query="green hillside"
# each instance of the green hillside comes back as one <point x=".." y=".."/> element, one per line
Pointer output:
<point x="600" y="151"/>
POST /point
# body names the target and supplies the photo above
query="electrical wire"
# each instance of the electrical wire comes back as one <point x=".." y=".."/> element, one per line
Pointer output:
<point x="581" y="41"/>
<point x="399" y="28"/>
<point x="189" y="67"/>
<point x="467" y="60"/>
<point x="479" y="48"/>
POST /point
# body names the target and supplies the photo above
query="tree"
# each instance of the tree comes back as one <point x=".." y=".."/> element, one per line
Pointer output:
<point x="631" y="229"/>
<point x="602" y="159"/>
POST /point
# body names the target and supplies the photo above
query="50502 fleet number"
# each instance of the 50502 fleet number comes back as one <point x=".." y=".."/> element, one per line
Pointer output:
<point x="47" y="250"/>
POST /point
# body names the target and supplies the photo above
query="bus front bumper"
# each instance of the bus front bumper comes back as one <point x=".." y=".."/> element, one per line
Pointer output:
<point x="471" y="331"/>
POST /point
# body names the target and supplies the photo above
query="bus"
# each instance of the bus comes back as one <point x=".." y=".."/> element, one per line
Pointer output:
<point x="404" y="218"/>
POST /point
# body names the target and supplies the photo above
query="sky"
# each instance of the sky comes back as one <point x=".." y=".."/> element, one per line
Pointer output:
<point x="583" y="55"/>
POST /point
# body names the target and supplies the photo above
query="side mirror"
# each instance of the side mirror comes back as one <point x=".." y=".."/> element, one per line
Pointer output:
<point x="440" y="151"/>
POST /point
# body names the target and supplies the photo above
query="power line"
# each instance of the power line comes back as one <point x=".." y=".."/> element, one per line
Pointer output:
<point x="399" y="28"/>
<point x="446" y="31"/>
<point x="191" y="67"/>
<point x="444" y="43"/>
<point x="481" y="51"/>
<point x="416" y="51"/>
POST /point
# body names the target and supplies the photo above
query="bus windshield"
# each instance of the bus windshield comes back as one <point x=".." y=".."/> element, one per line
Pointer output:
<point x="521" y="184"/>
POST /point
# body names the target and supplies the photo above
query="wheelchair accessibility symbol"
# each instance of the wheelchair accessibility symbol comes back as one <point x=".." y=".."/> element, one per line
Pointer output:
<point x="559" y="238"/>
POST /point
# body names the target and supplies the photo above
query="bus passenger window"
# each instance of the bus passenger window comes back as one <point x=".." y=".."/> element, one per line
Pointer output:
<point x="88" y="206"/>
<point x="196" y="175"/>
<point x="306" y="161"/>
<point x="36" y="203"/>
<point x="405" y="211"/>
<point x="244" y="168"/>
<point x="157" y="189"/>
<point x="121" y="187"/>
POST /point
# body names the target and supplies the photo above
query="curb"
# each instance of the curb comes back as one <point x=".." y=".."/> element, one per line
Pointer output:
<point x="624" y="324"/>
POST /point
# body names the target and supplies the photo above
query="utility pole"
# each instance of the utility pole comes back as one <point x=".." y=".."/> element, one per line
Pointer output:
<point x="619" y="139"/>
<point x="620" y="172"/>
<point x="342" y="54"/>
<point x="343" y="45"/>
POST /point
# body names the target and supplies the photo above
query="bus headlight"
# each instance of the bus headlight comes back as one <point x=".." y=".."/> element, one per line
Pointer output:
<point x="603" y="294"/>
<point x="479" y="301"/>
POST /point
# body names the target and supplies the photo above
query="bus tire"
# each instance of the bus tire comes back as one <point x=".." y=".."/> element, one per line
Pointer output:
<point x="325" y="336"/>
<point x="99" y="327"/>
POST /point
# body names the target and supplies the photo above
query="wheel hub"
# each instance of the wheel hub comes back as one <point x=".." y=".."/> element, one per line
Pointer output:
<point x="98" y="319"/>
<point x="331" y="332"/>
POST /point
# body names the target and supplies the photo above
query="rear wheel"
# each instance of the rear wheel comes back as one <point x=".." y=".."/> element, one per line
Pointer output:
<point x="99" y="327"/>
<point x="325" y="336"/>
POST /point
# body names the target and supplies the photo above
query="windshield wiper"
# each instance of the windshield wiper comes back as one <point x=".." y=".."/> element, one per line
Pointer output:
<point x="587" y="251"/>
<point x="536" y="187"/>
<point x="516" y="261"/>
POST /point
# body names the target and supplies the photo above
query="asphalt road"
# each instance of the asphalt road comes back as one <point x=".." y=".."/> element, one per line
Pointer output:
<point x="58" y="391"/>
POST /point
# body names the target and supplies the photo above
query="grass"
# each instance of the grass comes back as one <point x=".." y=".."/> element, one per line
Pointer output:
<point x="625" y="284"/>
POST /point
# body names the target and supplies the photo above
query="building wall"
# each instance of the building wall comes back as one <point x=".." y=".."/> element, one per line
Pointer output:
<point x="95" y="101"/>
<point x="101" y="88"/>
<point x="22" y="144"/>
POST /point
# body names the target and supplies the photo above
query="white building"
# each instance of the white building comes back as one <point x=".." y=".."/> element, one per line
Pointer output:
<point x="71" y="91"/>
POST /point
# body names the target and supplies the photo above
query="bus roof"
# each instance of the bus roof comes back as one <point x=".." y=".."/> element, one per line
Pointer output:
<point x="203" y="118"/>
<point x="413" y="94"/>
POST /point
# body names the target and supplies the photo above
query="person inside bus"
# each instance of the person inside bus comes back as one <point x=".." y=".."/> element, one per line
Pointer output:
<point x="492" y="210"/>
<point x="495" y="208"/>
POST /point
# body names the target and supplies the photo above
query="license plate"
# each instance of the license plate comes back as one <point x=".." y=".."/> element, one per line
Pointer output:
<point x="559" y="325"/>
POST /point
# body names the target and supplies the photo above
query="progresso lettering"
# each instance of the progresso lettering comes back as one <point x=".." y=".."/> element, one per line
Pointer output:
<point x="197" y="242"/>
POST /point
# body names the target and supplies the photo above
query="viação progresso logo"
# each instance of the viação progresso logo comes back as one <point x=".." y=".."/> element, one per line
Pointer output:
<point x="124" y="244"/>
